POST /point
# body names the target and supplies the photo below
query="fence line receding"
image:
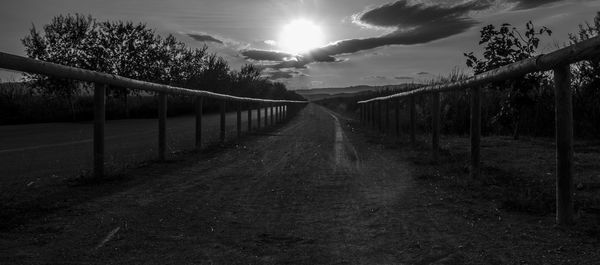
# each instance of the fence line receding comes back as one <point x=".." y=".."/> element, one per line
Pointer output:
<point x="101" y="82"/>
<point x="558" y="61"/>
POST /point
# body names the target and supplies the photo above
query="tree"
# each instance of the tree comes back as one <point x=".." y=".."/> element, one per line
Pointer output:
<point x="586" y="79"/>
<point x="214" y="75"/>
<point x="120" y="48"/>
<point x="503" y="46"/>
<point x="245" y="82"/>
<point x="69" y="40"/>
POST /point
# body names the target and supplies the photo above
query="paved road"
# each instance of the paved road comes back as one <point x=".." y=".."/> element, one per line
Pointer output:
<point x="314" y="192"/>
<point x="29" y="152"/>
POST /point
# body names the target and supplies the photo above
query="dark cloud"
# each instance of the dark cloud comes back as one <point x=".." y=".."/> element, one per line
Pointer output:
<point x="423" y="73"/>
<point x="529" y="4"/>
<point x="262" y="55"/>
<point x="204" y="38"/>
<point x="402" y="15"/>
<point x="404" y="77"/>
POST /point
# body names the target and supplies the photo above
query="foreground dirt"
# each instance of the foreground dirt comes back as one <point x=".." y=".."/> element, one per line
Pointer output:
<point x="316" y="191"/>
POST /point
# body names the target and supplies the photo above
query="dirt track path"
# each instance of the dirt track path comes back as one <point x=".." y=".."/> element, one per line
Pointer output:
<point x="308" y="194"/>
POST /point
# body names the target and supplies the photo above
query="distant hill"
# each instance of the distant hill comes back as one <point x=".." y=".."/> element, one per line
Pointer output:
<point x="323" y="93"/>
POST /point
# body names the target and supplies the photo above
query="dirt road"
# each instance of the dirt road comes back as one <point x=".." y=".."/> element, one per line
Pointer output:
<point x="313" y="192"/>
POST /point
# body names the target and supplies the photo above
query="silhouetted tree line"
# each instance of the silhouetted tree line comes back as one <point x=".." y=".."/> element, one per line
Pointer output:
<point x="523" y="105"/>
<point x="135" y="51"/>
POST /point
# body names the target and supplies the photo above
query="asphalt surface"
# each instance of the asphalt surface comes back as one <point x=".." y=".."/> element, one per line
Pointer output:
<point x="37" y="151"/>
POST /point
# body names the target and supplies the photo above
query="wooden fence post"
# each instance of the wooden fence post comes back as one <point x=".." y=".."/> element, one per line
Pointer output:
<point x="475" y="132"/>
<point x="435" y="125"/>
<point x="99" y="123"/>
<point x="222" y="134"/>
<point x="564" y="145"/>
<point x="278" y="111"/>
<point x="379" y="114"/>
<point x="162" y="126"/>
<point x="199" y="103"/>
<point x="413" y="120"/>
<point x="249" y="117"/>
<point x="266" y="116"/>
<point x="387" y="116"/>
<point x="272" y="115"/>
<point x="362" y="113"/>
<point x="239" y="118"/>
<point x="397" y="116"/>
<point x="258" y="117"/>
<point x="373" y="114"/>
<point x="366" y="113"/>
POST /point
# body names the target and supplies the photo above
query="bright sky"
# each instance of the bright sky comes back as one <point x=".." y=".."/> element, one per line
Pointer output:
<point x="318" y="43"/>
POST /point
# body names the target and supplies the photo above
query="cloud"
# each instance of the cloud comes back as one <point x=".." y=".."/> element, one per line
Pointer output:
<point x="404" y="77"/>
<point x="407" y="23"/>
<point x="204" y="38"/>
<point x="411" y="24"/>
<point x="263" y="55"/>
<point x="274" y="74"/>
<point x="423" y="73"/>
<point x="529" y="4"/>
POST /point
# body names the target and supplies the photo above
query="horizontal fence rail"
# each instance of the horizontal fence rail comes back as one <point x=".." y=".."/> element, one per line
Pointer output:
<point x="33" y="66"/>
<point x="559" y="61"/>
<point x="102" y="81"/>
<point x="578" y="52"/>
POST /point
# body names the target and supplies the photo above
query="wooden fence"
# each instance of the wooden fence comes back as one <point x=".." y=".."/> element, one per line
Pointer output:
<point x="558" y="61"/>
<point x="102" y="80"/>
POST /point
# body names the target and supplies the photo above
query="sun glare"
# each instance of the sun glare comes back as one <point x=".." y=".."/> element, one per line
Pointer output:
<point x="300" y="36"/>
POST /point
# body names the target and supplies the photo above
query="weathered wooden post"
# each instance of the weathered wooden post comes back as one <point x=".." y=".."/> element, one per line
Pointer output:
<point x="435" y="125"/>
<point x="99" y="122"/>
<point x="238" y="106"/>
<point x="475" y="132"/>
<point x="397" y="116"/>
<point x="362" y="113"/>
<point x="258" y="116"/>
<point x="387" y="116"/>
<point x="564" y="145"/>
<point x="413" y="120"/>
<point x="379" y="114"/>
<point x="199" y="103"/>
<point x="266" y="115"/>
<point x="278" y="111"/>
<point x="272" y="115"/>
<point x="249" y="117"/>
<point x="222" y="131"/>
<point x="162" y="126"/>
<point x="373" y="115"/>
<point x="365" y="113"/>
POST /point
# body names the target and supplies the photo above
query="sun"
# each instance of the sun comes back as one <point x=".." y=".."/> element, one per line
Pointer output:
<point x="300" y="36"/>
